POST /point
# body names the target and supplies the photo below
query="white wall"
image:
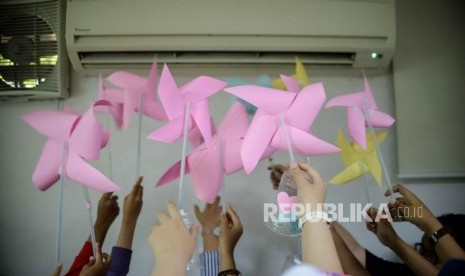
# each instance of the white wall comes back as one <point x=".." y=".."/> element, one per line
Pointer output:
<point x="435" y="126"/>
<point x="29" y="217"/>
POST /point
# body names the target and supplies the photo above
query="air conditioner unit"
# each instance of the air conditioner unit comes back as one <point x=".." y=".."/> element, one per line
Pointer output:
<point x="33" y="58"/>
<point x="104" y="34"/>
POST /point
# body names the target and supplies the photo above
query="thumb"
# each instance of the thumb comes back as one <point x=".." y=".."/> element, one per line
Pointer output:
<point x="223" y="222"/>
<point x="98" y="251"/>
<point x="91" y="261"/>
<point x="373" y="213"/>
<point x="107" y="262"/>
<point x="57" y="270"/>
<point x="297" y="175"/>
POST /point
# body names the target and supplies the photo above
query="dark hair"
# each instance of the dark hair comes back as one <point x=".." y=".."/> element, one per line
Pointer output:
<point x="456" y="224"/>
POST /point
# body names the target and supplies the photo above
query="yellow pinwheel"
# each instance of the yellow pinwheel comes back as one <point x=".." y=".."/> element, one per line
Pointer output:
<point x="300" y="75"/>
<point x="353" y="156"/>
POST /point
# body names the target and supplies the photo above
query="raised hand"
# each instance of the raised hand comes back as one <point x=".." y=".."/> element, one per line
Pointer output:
<point x="133" y="202"/>
<point x="171" y="242"/>
<point x="98" y="265"/>
<point x="230" y="232"/>
<point x="131" y="210"/>
<point x="107" y="212"/>
<point x="409" y="207"/>
<point x="276" y="174"/>
<point x="209" y="219"/>
<point x="108" y="208"/>
<point x="311" y="188"/>
<point x="57" y="270"/>
<point x="382" y="229"/>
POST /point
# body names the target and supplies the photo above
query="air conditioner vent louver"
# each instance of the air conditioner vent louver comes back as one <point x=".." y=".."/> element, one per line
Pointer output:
<point x="336" y="33"/>
<point x="97" y="59"/>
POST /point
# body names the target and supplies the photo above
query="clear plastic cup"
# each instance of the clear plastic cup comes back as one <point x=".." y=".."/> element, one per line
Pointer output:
<point x="287" y="184"/>
<point x="287" y="222"/>
<point x="195" y="263"/>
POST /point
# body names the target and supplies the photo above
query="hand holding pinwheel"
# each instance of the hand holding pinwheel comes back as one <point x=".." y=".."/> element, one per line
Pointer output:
<point x="71" y="138"/>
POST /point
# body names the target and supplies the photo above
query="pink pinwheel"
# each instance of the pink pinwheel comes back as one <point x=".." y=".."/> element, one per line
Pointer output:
<point x="82" y="137"/>
<point x="207" y="165"/>
<point x="116" y="97"/>
<point x="134" y="87"/>
<point x="194" y="136"/>
<point x="298" y="110"/>
<point x="361" y="107"/>
<point x="174" y="101"/>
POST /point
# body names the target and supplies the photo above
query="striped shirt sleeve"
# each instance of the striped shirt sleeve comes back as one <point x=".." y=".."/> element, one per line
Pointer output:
<point x="210" y="262"/>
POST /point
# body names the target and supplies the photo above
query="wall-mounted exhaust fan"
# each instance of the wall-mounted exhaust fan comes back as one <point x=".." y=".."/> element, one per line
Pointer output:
<point x="33" y="60"/>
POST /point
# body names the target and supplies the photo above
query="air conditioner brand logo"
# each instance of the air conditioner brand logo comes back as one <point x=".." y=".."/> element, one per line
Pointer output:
<point x="82" y="29"/>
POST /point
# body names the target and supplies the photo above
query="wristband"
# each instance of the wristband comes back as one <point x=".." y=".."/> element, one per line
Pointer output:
<point x="230" y="272"/>
<point x="439" y="234"/>
<point x="315" y="216"/>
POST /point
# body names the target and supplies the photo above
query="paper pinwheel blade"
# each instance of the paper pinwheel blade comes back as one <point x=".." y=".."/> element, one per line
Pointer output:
<point x="362" y="111"/>
<point x="175" y="100"/>
<point x="207" y="164"/>
<point x="353" y="156"/>
<point x="300" y="76"/>
<point x="298" y="109"/>
<point x="70" y="139"/>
